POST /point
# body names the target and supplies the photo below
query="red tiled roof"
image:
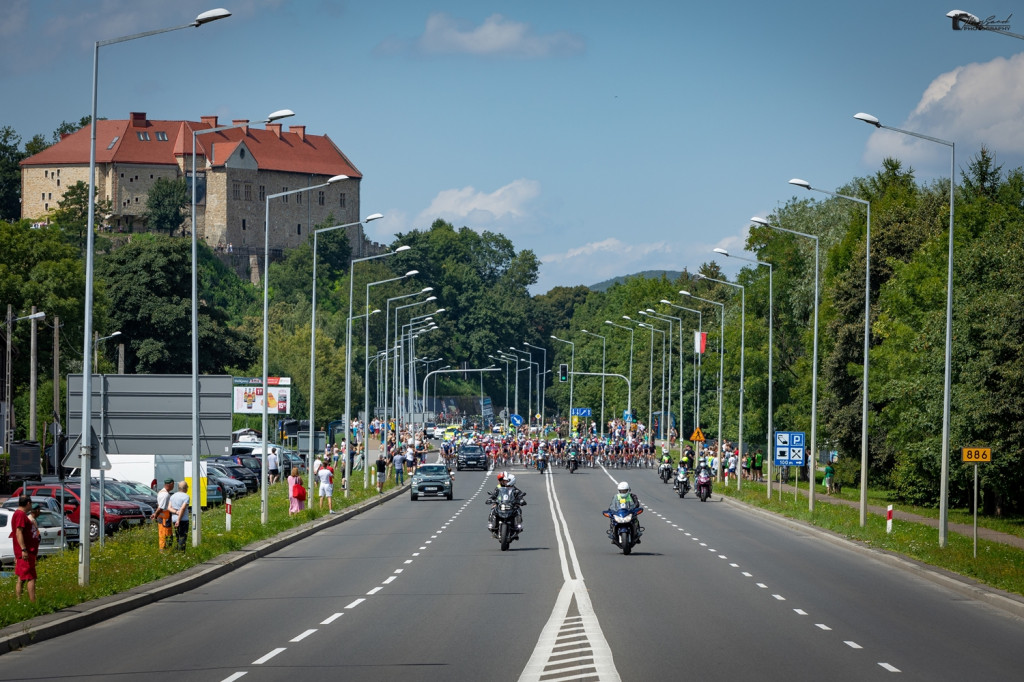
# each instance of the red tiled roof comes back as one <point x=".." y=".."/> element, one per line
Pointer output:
<point x="118" y="142"/>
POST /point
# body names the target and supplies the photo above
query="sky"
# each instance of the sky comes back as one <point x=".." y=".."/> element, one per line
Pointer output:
<point x="607" y="137"/>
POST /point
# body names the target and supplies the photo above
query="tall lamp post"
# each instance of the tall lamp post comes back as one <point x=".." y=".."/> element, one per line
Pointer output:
<point x="698" y="376"/>
<point x="96" y="346"/>
<point x="264" y="504"/>
<point x="604" y="357"/>
<point x="651" y="312"/>
<point x="721" y="357"/>
<point x="771" y="354"/>
<point x="506" y="360"/>
<point x="8" y="434"/>
<point x="650" y="384"/>
<point x="867" y="339"/>
<point x="197" y="507"/>
<point x="947" y="372"/>
<point x="541" y="381"/>
<point x="572" y="370"/>
<point x="743" y="356"/>
<point x="814" y="370"/>
<point x="629" y="392"/>
<point x="86" y="448"/>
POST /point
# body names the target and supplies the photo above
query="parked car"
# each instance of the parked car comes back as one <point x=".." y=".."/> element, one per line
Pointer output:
<point x="471" y="456"/>
<point x="432" y="480"/>
<point x="231" y="486"/>
<point x="71" y="530"/>
<point x="250" y="462"/>
<point x="51" y="535"/>
<point x="120" y="491"/>
<point x="118" y="514"/>
<point x="429" y="429"/>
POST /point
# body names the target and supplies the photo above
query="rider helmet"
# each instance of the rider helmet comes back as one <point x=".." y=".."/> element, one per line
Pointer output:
<point x="501" y="477"/>
<point x="510" y="481"/>
<point x="624" y="488"/>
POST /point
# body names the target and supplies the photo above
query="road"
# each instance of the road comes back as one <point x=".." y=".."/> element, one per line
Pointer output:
<point x="420" y="591"/>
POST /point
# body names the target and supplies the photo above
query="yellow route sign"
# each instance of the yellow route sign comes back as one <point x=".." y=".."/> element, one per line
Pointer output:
<point x="697" y="436"/>
<point x="977" y="454"/>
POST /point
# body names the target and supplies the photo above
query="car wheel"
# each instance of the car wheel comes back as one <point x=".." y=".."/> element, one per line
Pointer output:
<point x="94" y="529"/>
<point x="414" y="496"/>
<point x="451" y="493"/>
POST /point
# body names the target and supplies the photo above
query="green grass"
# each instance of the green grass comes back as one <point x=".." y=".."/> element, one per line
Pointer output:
<point x="998" y="565"/>
<point x="131" y="558"/>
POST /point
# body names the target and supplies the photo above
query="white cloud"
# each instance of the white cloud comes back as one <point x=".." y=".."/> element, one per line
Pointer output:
<point x="479" y="209"/>
<point x="497" y="36"/>
<point x="972" y="105"/>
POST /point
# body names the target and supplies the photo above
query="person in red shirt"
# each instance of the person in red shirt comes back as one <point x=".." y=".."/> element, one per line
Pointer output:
<point x="25" y="533"/>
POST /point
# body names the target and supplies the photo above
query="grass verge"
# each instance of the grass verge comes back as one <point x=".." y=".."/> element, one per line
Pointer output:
<point x="997" y="564"/>
<point x="131" y="558"/>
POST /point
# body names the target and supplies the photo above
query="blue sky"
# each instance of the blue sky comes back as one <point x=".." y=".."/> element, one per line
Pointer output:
<point x="607" y="137"/>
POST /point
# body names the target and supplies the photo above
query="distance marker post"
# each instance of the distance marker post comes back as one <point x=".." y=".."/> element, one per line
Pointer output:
<point x="976" y="456"/>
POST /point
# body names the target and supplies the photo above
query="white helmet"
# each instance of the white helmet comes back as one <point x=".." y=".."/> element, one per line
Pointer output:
<point x="623" y="488"/>
<point x="510" y="481"/>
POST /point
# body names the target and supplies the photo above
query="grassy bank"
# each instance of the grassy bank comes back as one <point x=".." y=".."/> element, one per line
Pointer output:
<point x="131" y="558"/>
<point x="997" y="564"/>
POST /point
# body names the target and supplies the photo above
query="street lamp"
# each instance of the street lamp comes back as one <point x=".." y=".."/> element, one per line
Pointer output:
<point x="743" y="355"/>
<point x="96" y="346"/>
<point x="529" y="382"/>
<point x="650" y="383"/>
<point x="721" y="357"/>
<point x="814" y="369"/>
<point x="86" y="448"/>
<point x="697" y="376"/>
<point x="629" y="392"/>
<point x="572" y="369"/>
<point x="264" y="504"/>
<point x="8" y="434"/>
<point x="348" y="344"/>
<point x="448" y="371"/>
<point x="652" y="313"/>
<point x="506" y="360"/>
<point x="947" y="374"/>
<point x="867" y="339"/>
<point x="771" y="353"/>
<point x="604" y="357"/>
<point x="398" y="355"/>
<point x="543" y="382"/>
<point x="959" y="17"/>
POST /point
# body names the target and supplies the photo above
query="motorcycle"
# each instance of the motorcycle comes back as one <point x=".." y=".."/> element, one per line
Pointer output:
<point x="506" y="515"/>
<point x="682" y="482"/>
<point x="665" y="472"/>
<point x="703" y="485"/>
<point x="625" y="531"/>
<point x="542" y="464"/>
<point x="573" y="463"/>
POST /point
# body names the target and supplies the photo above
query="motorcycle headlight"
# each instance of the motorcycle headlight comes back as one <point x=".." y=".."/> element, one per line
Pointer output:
<point x="505" y="507"/>
<point x="626" y="518"/>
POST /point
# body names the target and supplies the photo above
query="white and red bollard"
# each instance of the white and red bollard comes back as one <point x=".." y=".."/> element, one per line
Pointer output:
<point x="227" y="512"/>
<point x="888" y="520"/>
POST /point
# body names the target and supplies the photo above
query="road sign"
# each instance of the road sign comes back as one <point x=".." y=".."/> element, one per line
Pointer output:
<point x="580" y="412"/>
<point x="516" y="420"/>
<point x="790" y="448"/>
<point x="977" y="454"/>
<point x="697" y="436"/>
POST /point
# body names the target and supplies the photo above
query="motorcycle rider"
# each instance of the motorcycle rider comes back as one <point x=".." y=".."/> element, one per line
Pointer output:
<point x="506" y="480"/>
<point x="624" y="497"/>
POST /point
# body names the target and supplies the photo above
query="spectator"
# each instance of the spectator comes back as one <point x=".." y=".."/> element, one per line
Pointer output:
<point x="162" y="515"/>
<point x="179" y="514"/>
<point x="25" y="534"/>
<point x="325" y="476"/>
<point x="382" y="471"/>
<point x="399" y="463"/>
<point x="296" y="492"/>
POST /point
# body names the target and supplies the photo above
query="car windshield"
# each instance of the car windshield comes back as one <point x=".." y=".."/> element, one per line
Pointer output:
<point x="471" y="450"/>
<point x="48" y="520"/>
<point x="433" y="470"/>
<point x="137" y="488"/>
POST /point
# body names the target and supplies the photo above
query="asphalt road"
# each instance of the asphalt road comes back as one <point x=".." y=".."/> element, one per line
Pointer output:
<point x="420" y="591"/>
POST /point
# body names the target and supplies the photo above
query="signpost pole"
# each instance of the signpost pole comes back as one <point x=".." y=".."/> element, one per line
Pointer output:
<point x="975" y="510"/>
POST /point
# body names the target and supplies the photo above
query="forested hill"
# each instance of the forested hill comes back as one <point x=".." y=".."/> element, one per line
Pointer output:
<point x="646" y="274"/>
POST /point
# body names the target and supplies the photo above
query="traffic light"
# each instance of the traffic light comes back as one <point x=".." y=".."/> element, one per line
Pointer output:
<point x="563" y="372"/>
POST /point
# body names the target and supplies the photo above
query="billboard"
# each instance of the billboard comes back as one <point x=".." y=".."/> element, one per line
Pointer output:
<point x="248" y="395"/>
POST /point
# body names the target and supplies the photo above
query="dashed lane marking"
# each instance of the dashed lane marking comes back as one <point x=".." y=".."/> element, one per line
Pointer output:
<point x="304" y="635"/>
<point x="267" y="657"/>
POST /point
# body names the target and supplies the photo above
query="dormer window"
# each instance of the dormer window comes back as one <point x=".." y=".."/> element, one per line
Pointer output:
<point x="143" y="136"/>
<point x="161" y="136"/>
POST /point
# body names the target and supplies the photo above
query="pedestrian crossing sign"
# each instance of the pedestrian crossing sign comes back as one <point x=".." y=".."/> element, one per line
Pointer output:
<point x="697" y="436"/>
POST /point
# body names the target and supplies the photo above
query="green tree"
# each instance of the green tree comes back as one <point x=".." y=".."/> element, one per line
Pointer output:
<point x="148" y="283"/>
<point x="72" y="213"/>
<point x="10" y="174"/>
<point x="165" y="205"/>
<point x="66" y="127"/>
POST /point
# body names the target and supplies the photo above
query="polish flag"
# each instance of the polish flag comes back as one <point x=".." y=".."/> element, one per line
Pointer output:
<point x="700" y="341"/>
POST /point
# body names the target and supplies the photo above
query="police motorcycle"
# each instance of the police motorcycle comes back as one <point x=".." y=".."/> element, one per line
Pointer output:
<point x="573" y="462"/>
<point x="665" y="468"/>
<point x="682" y="482"/>
<point x="506" y="519"/>
<point x="704" y="483"/>
<point x="624" y="527"/>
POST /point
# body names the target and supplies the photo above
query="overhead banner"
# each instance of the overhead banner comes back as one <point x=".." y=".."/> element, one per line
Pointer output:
<point x="248" y="395"/>
<point x="700" y="341"/>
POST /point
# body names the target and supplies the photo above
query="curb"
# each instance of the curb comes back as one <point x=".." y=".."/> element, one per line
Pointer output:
<point x="73" y="618"/>
<point x="1005" y="601"/>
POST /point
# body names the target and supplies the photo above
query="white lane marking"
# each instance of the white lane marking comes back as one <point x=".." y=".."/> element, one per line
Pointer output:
<point x="735" y="565"/>
<point x="408" y="561"/>
<point x="415" y="553"/>
<point x="356" y="603"/>
<point x="779" y="597"/>
<point x="304" y="635"/>
<point x="399" y="570"/>
<point x="890" y="668"/>
<point x="264" y="659"/>
<point x="762" y="586"/>
<point x="852" y="645"/>
<point x="800" y="612"/>
<point x="423" y="547"/>
<point x="823" y="627"/>
<point x="722" y="556"/>
<point x="748" y="575"/>
<point x="703" y="544"/>
<point x="374" y="591"/>
<point x="388" y="581"/>
<point x="602" y="654"/>
<point x="331" y="619"/>
<point x="237" y="675"/>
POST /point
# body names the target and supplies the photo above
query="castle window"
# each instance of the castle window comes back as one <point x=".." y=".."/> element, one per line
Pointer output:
<point x="58" y="182"/>
<point x="243" y="224"/>
<point x="162" y="136"/>
<point x="342" y="199"/>
<point x="46" y="174"/>
<point x="285" y="197"/>
<point x="236" y="191"/>
<point x="298" y="230"/>
<point x="143" y="136"/>
<point x="298" y="198"/>
<point x="263" y="192"/>
<point x="320" y="197"/>
<point x="248" y="192"/>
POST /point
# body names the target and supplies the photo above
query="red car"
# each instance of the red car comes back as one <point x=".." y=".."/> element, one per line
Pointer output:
<point x="117" y="513"/>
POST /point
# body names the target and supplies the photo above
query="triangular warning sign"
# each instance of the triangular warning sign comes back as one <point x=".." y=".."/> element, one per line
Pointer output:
<point x="698" y="435"/>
